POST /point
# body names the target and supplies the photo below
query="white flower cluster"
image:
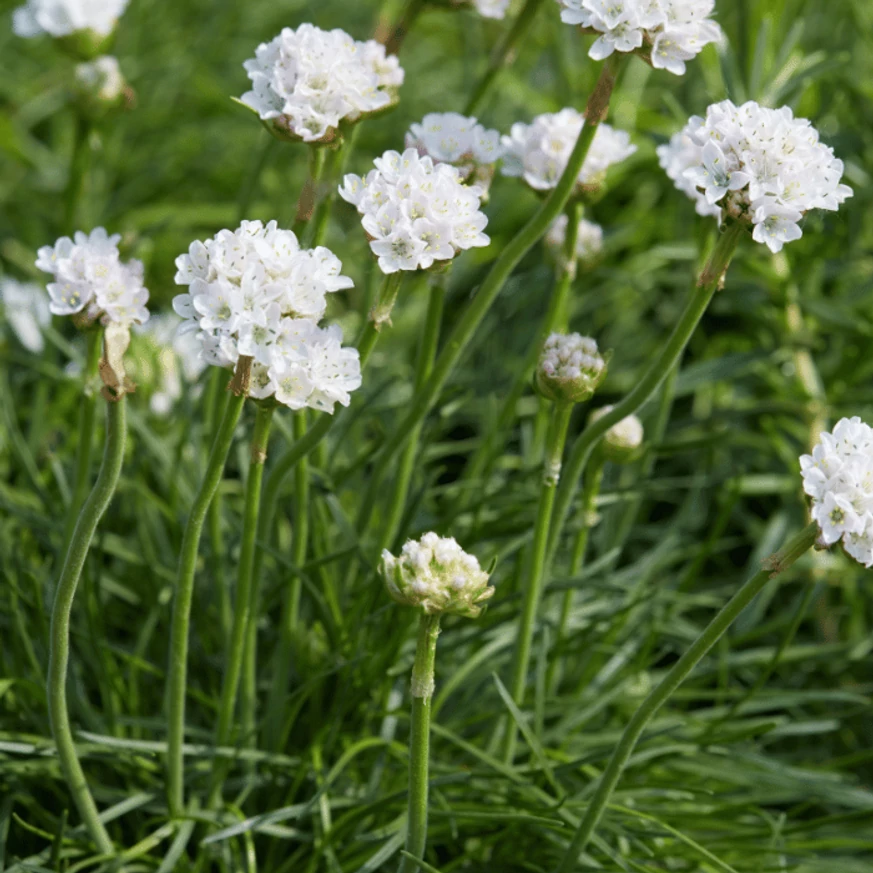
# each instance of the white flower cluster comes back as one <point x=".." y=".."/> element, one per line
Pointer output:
<point x="622" y="440"/>
<point x="589" y="239"/>
<point x="570" y="368"/>
<point x="838" y="476"/>
<point x="538" y="152"/>
<point x="101" y="79"/>
<point x="676" y="30"/>
<point x="63" y="17"/>
<point x="26" y="309"/>
<point x="452" y="138"/>
<point x="492" y="8"/>
<point x="255" y="292"/>
<point x="437" y="575"/>
<point x="90" y="277"/>
<point x="677" y="156"/>
<point x="758" y="165"/>
<point x="416" y="212"/>
<point x="309" y="80"/>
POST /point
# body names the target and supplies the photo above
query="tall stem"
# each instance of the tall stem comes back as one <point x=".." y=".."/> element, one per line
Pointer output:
<point x="536" y="573"/>
<point x="506" y="262"/>
<point x="419" y="739"/>
<point x="78" y="173"/>
<point x="707" y="284"/>
<point x="309" y="194"/>
<point x="774" y="565"/>
<point x="399" y="31"/>
<point x="326" y="192"/>
<point x="242" y="606"/>
<point x="59" y="638"/>
<point x="184" y="589"/>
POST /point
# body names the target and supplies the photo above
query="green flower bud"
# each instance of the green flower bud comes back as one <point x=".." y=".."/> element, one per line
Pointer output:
<point x="622" y="442"/>
<point x="570" y="368"/>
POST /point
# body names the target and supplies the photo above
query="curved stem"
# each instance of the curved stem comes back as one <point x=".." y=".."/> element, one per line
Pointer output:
<point x="707" y="285"/>
<point x="536" y="574"/>
<point x="184" y="589"/>
<point x="59" y="642"/>
<point x="774" y="565"/>
<point x="242" y="606"/>
<point x="419" y="739"/>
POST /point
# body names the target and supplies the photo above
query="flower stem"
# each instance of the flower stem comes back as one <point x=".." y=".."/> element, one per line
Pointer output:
<point x="536" y="569"/>
<point x="242" y="616"/>
<point x="506" y="262"/>
<point x="326" y="193"/>
<point x="502" y="54"/>
<point x="419" y="739"/>
<point x="78" y="173"/>
<point x="398" y="33"/>
<point x="184" y="588"/>
<point x="59" y="638"/>
<point x="774" y="565"/>
<point x="707" y="284"/>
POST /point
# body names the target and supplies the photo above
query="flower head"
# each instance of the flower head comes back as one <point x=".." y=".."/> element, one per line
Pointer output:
<point x="538" y="152"/>
<point x="90" y="278"/>
<point x="589" y="238"/>
<point x="674" y="31"/>
<point x="838" y="476"/>
<point x="437" y="575"/>
<point x="306" y="81"/>
<point x="491" y="8"/>
<point x="416" y="212"/>
<point x="622" y="441"/>
<point x="758" y="165"/>
<point x="254" y="292"/>
<point x="60" y="18"/>
<point x="26" y="309"/>
<point x="570" y="368"/>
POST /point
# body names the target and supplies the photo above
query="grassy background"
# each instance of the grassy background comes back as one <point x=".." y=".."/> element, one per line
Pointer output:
<point x="732" y="775"/>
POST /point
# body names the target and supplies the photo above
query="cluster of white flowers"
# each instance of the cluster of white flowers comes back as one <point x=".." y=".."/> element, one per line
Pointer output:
<point x="757" y="165"/>
<point x="838" y="476"/>
<point x="255" y="292"/>
<point x="90" y="277"/>
<point x="492" y="8"/>
<point x="26" y="309"/>
<point x="570" y="368"/>
<point x="677" y="156"/>
<point x="416" y="212"/>
<point x="452" y="138"/>
<point x="676" y="30"/>
<point x="623" y="439"/>
<point x="307" y="81"/>
<point x="538" y="152"/>
<point x="437" y="575"/>
<point x="589" y="239"/>
<point x="101" y="79"/>
<point x="63" y="17"/>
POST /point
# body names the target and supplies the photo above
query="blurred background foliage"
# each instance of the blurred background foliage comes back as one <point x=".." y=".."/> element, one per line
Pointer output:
<point x="733" y="776"/>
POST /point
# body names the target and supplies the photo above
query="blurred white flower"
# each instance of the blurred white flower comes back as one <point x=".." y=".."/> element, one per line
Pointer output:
<point x="675" y="30"/>
<point x="101" y="79"/>
<point x="26" y="308"/>
<point x="538" y="152"/>
<point x="255" y="292"/>
<point x="838" y="476"/>
<point x="492" y="8"/>
<point x="89" y="277"/>
<point x="307" y="81"/>
<point x="758" y="165"/>
<point x="415" y="212"/>
<point x="63" y="17"/>
<point x="570" y="368"/>
<point x="589" y="239"/>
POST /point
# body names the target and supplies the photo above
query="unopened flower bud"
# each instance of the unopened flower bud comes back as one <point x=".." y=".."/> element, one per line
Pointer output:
<point x="100" y="86"/>
<point x="437" y="575"/>
<point x="621" y="443"/>
<point x="570" y="368"/>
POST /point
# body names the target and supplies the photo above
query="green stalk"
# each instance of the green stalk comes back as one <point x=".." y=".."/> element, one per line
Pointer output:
<point x="59" y="638"/>
<point x="242" y="616"/>
<point x="707" y="284"/>
<point x="774" y="565"/>
<point x="506" y="262"/>
<point x="184" y="589"/>
<point x="309" y="194"/>
<point x="501" y="55"/>
<point x="78" y="173"/>
<point x="326" y="193"/>
<point x="536" y="575"/>
<point x="419" y="739"/>
<point x="399" y="32"/>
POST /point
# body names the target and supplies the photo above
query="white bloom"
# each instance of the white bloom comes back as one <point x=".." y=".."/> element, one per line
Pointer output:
<point x="762" y="166"/>
<point x="63" y="17"/>
<point x="492" y="8"/>
<point x="255" y="292"/>
<point x="416" y="212"/>
<point x="589" y="239"/>
<point x="675" y="30"/>
<point x="26" y="308"/>
<point x="101" y="78"/>
<point x="570" y="368"/>
<point x="309" y="80"/>
<point x="623" y="439"/>
<point x="838" y="476"/>
<point x="89" y="277"/>
<point x="539" y="151"/>
<point x="437" y="575"/>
